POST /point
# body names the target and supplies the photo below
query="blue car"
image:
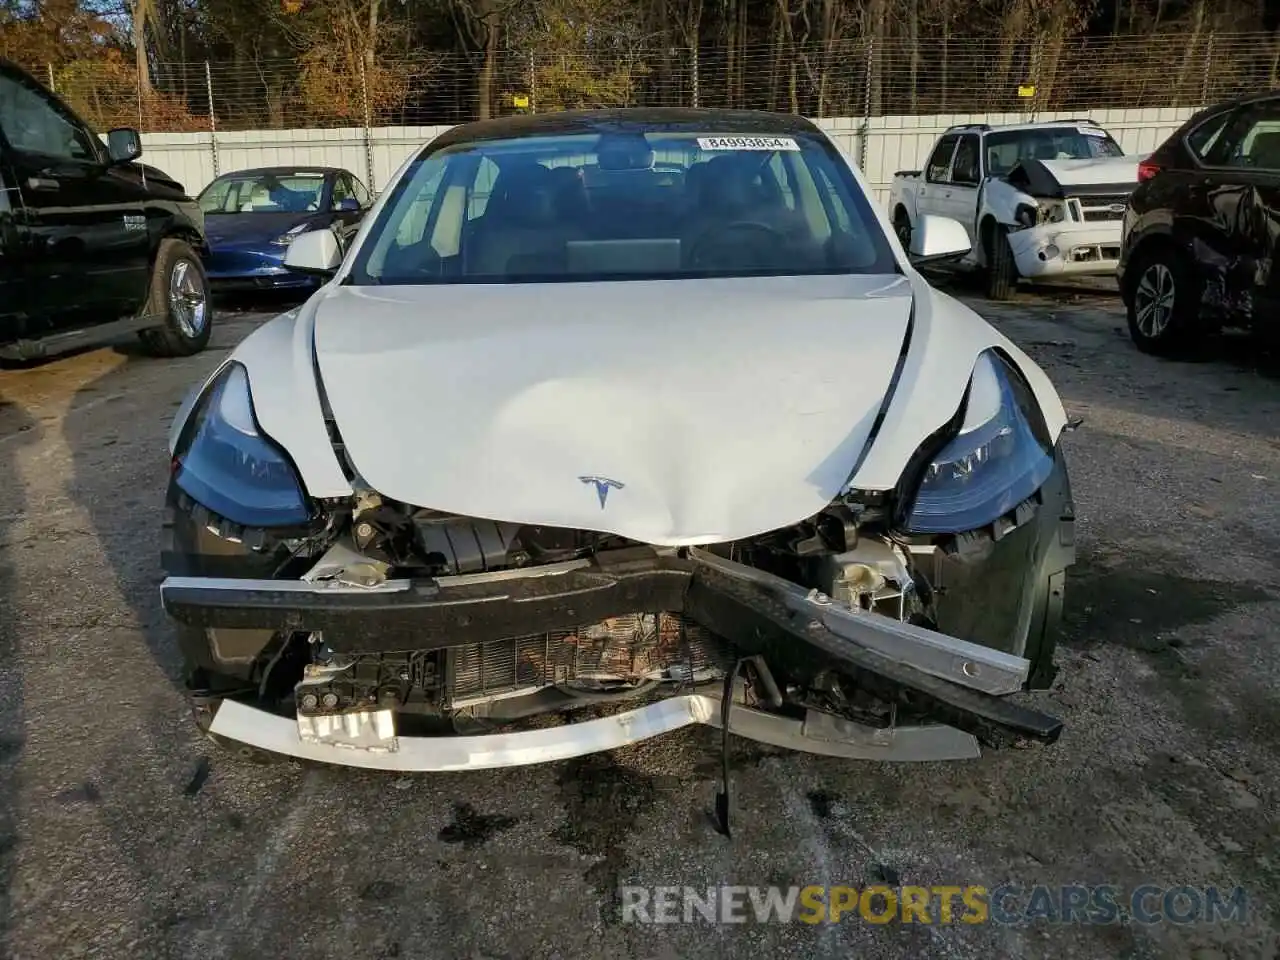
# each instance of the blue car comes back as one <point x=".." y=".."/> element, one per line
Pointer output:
<point x="252" y="215"/>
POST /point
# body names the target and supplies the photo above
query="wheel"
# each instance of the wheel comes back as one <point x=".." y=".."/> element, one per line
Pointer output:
<point x="902" y="227"/>
<point x="1002" y="272"/>
<point x="179" y="294"/>
<point x="1164" y="304"/>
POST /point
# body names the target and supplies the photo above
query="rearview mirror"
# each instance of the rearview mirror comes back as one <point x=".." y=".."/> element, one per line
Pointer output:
<point x="934" y="239"/>
<point x="315" y="252"/>
<point x="124" y="145"/>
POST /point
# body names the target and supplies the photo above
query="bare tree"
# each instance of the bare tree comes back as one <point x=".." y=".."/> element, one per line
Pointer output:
<point x="479" y="23"/>
<point x="142" y="13"/>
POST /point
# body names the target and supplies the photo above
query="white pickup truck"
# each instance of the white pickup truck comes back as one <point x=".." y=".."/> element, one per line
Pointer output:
<point x="1037" y="200"/>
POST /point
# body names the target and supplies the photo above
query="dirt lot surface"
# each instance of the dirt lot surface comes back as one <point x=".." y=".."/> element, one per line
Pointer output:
<point x="124" y="834"/>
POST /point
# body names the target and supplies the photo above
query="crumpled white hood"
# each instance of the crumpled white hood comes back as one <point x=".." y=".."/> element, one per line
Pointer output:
<point x="1079" y="173"/>
<point x="720" y="408"/>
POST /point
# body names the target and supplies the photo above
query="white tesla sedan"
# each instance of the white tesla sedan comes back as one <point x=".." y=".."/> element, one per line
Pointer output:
<point x="606" y="424"/>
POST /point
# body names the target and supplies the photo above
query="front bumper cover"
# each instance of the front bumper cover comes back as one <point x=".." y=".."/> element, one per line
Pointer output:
<point x="801" y="633"/>
<point x="1067" y="249"/>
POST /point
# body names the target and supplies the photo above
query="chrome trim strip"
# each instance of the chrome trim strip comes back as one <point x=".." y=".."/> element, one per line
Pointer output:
<point x="829" y="736"/>
<point x="386" y="586"/>
<point x="279" y="586"/>
<point x="937" y="654"/>
<point x="950" y="658"/>
<point x="520" y="573"/>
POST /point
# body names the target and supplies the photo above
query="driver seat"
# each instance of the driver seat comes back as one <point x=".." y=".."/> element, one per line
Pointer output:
<point x="730" y="191"/>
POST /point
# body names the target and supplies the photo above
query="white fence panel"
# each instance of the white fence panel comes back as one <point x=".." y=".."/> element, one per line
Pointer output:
<point x="892" y="144"/>
<point x="187" y="157"/>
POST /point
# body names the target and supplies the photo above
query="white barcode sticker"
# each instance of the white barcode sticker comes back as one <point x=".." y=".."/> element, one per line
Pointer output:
<point x="747" y="143"/>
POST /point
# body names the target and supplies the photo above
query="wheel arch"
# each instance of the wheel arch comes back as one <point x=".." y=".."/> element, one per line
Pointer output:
<point x="171" y="222"/>
<point x="185" y="232"/>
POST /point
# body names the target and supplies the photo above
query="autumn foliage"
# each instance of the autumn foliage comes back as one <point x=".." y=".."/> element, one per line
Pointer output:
<point x="245" y="64"/>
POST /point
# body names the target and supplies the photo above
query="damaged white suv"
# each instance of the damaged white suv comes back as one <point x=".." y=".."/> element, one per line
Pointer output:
<point x="1038" y="200"/>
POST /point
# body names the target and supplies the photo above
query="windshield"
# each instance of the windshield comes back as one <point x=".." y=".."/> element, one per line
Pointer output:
<point x="263" y="193"/>
<point x="652" y="205"/>
<point x="1047" y="143"/>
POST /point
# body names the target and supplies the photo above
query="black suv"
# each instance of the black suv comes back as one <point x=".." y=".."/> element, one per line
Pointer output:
<point x="1202" y="230"/>
<point x="92" y="244"/>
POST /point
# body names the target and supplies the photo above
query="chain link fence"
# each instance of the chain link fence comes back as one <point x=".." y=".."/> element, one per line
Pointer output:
<point x="851" y="78"/>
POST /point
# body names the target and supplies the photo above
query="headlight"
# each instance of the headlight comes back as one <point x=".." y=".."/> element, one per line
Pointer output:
<point x="229" y="467"/>
<point x="992" y="465"/>
<point x="1027" y="215"/>
<point x="287" y="238"/>
<point x="1054" y="211"/>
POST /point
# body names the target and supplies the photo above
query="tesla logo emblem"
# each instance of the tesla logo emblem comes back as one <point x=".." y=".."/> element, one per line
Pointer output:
<point x="602" y="485"/>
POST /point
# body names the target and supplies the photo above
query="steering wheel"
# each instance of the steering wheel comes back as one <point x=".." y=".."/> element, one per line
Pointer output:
<point x="718" y="241"/>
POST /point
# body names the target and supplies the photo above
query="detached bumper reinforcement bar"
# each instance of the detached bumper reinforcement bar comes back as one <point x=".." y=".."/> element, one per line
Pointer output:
<point x="817" y="733"/>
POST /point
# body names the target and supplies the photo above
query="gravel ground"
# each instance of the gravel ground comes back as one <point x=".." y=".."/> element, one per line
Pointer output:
<point x="122" y="833"/>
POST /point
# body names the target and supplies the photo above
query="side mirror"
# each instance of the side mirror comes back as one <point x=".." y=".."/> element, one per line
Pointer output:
<point x="315" y="252"/>
<point x="124" y="145"/>
<point x="934" y="239"/>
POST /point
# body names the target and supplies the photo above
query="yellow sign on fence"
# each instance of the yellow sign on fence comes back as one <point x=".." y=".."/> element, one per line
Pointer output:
<point x="520" y="101"/>
<point x="1027" y="90"/>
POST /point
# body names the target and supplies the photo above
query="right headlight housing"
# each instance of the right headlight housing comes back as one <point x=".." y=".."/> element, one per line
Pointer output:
<point x="998" y="459"/>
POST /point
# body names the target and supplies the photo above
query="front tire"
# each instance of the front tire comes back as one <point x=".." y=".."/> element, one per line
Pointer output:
<point x="179" y="294"/>
<point x="1163" y="305"/>
<point x="1002" y="271"/>
<point x="902" y="228"/>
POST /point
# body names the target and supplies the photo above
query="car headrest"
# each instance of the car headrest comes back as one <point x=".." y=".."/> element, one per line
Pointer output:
<point x="618" y="153"/>
<point x="1265" y="151"/>
<point x="259" y="198"/>
<point x="729" y="185"/>
<point x="525" y="195"/>
<point x="695" y="181"/>
<point x="568" y="189"/>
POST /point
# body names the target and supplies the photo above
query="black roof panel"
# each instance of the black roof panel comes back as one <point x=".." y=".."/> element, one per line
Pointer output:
<point x="282" y="169"/>
<point x="625" y="120"/>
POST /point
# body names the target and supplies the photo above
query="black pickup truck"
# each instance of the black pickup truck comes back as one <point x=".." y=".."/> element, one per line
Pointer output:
<point x="93" y="245"/>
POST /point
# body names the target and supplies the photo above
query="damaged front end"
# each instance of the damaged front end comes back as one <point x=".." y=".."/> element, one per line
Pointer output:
<point x="1061" y="226"/>
<point x="387" y="635"/>
<point x="851" y="670"/>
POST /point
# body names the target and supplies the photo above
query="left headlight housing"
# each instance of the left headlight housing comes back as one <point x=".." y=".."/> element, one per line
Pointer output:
<point x="227" y="465"/>
<point x="996" y="461"/>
